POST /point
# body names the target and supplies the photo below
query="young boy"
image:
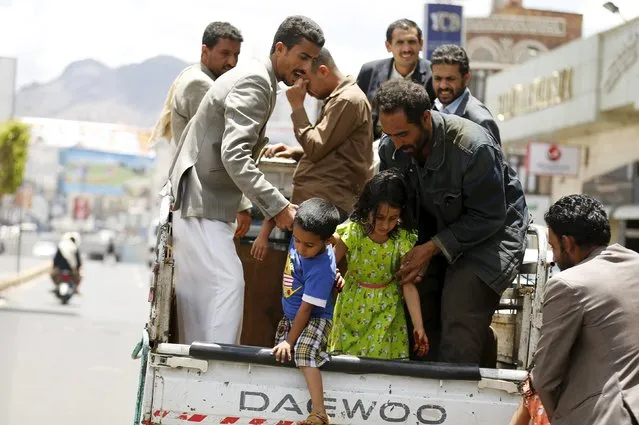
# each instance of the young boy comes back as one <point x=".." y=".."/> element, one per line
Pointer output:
<point x="308" y="282"/>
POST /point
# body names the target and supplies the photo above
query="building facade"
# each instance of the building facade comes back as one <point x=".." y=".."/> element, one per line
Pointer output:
<point x="572" y="116"/>
<point x="513" y="34"/>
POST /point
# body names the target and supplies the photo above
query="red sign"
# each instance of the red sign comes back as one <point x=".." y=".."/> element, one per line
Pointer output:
<point x="80" y="208"/>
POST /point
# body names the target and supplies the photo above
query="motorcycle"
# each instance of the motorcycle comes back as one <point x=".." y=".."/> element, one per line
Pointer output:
<point x="65" y="286"/>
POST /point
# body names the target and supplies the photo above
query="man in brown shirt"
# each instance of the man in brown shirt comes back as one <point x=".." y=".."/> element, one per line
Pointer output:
<point x="336" y="154"/>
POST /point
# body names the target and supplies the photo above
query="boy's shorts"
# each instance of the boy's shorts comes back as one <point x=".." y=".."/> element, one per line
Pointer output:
<point x="310" y="348"/>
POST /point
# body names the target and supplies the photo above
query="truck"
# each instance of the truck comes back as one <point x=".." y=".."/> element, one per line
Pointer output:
<point x="242" y="384"/>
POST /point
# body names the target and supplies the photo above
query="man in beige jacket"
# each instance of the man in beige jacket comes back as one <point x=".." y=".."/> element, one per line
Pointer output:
<point x="587" y="360"/>
<point x="221" y="43"/>
<point x="220" y="50"/>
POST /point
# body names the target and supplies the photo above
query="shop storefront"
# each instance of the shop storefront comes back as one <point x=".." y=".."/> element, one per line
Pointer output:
<point x="570" y="119"/>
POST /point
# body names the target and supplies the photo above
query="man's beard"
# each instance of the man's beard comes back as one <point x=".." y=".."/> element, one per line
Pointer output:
<point x="455" y="94"/>
<point x="563" y="262"/>
<point x="415" y="149"/>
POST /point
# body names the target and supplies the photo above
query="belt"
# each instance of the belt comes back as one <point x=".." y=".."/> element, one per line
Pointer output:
<point x="374" y="285"/>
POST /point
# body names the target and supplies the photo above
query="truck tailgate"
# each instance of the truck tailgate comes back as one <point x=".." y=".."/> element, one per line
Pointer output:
<point x="212" y="384"/>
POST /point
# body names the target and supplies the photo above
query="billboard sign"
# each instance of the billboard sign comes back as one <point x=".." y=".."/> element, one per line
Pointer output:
<point x="444" y="25"/>
<point x="102" y="173"/>
<point x="549" y="159"/>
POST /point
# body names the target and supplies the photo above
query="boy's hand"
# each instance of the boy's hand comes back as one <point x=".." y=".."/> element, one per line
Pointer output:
<point x="259" y="249"/>
<point x="282" y="352"/>
<point x="422" y="346"/>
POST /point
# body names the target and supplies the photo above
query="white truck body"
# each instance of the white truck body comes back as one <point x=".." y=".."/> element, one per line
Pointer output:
<point x="232" y="384"/>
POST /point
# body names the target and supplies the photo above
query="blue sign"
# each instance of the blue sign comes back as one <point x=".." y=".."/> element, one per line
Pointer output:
<point x="444" y="25"/>
<point x="102" y="173"/>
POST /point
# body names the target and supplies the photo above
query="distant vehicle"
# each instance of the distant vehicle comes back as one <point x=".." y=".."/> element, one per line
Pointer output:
<point x="102" y="244"/>
<point x="44" y="249"/>
<point x="65" y="286"/>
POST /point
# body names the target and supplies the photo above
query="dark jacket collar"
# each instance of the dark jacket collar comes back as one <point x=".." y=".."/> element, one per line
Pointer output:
<point x="461" y="109"/>
<point x="419" y="75"/>
<point x="437" y="152"/>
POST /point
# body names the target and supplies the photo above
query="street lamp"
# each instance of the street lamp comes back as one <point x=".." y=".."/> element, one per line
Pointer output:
<point x="612" y="8"/>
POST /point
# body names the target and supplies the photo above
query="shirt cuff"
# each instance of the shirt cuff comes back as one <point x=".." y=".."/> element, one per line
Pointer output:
<point x="448" y="245"/>
<point x="245" y="204"/>
<point x="314" y="301"/>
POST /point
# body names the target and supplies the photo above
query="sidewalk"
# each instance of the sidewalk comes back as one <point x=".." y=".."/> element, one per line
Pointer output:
<point x="30" y="268"/>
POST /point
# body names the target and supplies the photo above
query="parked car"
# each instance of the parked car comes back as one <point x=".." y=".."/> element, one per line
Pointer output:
<point x="101" y="244"/>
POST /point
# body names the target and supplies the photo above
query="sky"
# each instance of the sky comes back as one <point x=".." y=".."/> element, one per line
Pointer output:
<point x="46" y="35"/>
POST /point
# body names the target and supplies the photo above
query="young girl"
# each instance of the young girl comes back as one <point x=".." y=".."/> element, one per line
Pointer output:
<point x="530" y="410"/>
<point x="369" y="319"/>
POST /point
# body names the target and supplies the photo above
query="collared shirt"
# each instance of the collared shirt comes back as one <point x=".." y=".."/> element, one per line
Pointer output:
<point x="395" y="75"/>
<point x="338" y="149"/>
<point x="452" y="107"/>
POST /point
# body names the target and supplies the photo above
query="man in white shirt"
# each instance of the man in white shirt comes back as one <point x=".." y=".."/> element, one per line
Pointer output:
<point x="404" y="40"/>
<point x="451" y="75"/>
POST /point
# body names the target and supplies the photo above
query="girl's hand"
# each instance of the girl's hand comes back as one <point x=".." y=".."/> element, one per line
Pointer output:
<point x="422" y="346"/>
<point x="282" y="352"/>
<point x="259" y="249"/>
<point x="339" y="281"/>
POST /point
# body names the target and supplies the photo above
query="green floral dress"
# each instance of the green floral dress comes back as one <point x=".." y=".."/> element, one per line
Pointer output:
<point x="369" y="319"/>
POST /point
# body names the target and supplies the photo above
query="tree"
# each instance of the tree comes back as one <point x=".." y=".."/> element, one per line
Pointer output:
<point x="14" y="142"/>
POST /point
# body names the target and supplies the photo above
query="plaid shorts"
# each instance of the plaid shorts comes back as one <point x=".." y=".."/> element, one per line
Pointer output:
<point x="310" y="348"/>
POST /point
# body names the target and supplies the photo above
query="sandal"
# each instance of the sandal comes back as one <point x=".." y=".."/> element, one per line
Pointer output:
<point x="315" y="419"/>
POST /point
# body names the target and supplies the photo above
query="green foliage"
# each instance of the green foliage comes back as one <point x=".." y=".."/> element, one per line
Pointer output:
<point x="14" y="143"/>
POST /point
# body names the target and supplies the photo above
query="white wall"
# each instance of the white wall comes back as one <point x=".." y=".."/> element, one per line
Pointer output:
<point x="580" y="55"/>
<point x="620" y="74"/>
<point x="8" y="67"/>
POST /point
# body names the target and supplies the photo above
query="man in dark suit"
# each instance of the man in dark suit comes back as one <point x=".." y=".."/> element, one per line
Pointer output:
<point x="404" y="40"/>
<point x="450" y="77"/>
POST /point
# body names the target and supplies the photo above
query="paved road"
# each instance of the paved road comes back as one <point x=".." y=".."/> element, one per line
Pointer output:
<point x="70" y="365"/>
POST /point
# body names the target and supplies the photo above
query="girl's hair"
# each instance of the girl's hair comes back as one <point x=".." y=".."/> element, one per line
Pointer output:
<point x="388" y="187"/>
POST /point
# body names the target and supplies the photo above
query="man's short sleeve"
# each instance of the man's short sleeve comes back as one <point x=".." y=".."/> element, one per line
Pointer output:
<point x="319" y="280"/>
<point x="349" y="233"/>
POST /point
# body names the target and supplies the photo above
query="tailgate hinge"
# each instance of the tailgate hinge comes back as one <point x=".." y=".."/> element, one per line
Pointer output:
<point x="179" y="362"/>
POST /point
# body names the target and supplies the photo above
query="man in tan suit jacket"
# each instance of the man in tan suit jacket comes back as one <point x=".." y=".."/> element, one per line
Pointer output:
<point x="213" y="166"/>
<point x="587" y="361"/>
<point x="221" y="43"/>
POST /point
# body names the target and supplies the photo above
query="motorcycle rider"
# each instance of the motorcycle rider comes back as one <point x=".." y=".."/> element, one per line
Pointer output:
<point x="67" y="258"/>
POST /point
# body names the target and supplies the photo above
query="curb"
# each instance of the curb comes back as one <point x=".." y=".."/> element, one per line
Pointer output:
<point x="25" y="276"/>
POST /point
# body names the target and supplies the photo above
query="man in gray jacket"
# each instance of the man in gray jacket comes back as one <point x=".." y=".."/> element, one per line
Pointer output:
<point x="213" y="166"/>
<point x="220" y="50"/>
<point x="476" y="215"/>
<point x="587" y="360"/>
